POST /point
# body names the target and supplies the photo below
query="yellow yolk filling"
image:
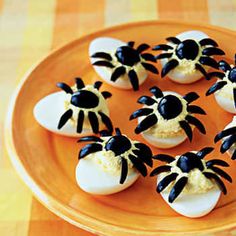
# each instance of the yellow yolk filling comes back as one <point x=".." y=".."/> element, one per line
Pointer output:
<point x="168" y="128"/>
<point x="227" y="90"/>
<point x="139" y="69"/>
<point x="230" y="125"/>
<point x="197" y="182"/>
<point x="186" y="67"/>
<point x="102" y="106"/>
<point x="111" y="163"/>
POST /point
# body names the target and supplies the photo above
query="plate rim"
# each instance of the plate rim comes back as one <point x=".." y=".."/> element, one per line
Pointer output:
<point x="87" y="223"/>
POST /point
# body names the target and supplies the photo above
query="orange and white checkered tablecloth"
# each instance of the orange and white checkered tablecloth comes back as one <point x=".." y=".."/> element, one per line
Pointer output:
<point x="29" y="30"/>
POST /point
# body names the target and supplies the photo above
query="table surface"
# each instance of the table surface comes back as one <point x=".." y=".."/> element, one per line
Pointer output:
<point x="29" y="30"/>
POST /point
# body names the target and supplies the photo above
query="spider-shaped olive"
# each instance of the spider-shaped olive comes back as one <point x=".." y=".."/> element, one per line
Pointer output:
<point x="124" y="60"/>
<point x="88" y="102"/>
<point x="168" y="107"/>
<point x="227" y="78"/>
<point x="229" y="140"/>
<point x="178" y="169"/>
<point x="123" y="148"/>
<point x="199" y="52"/>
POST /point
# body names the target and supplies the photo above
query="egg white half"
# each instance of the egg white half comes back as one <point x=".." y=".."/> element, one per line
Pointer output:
<point x="225" y="103"/>
<point x="163" y="142"/>
<point x="94" y="180"/>
<point x="194" y="205"/>
<point x="176" y="75"/>
<point x="48" y="112"/>
<point x="231" y="124"/>
<point x="109" y="45"/>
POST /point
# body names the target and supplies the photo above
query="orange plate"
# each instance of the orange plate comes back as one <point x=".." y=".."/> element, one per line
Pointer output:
<point x="47" y="162"/>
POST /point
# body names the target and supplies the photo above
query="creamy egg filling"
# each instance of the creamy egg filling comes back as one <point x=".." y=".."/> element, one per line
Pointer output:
<point x="230" y="125"/>
<point x="186" y="67"/>
<point x="168" y="128"/>
<point x="108" y="162"/>
<point x="102" y="106"/>
<point x="227" y="90"/>
<point x="197" y="182"/>
<point x="139" y="69"/>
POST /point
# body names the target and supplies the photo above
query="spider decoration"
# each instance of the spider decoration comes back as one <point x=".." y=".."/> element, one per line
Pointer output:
<point x="124" y="61"/>
<point x="229" y="139"/>
<point x="123" y="148"/>
<point x="88" y="102"/>
<point x="199" y="52"/>
<point x="227" y="77"/>
<point x="179" y="168"/>
<point x="169" y="107"/>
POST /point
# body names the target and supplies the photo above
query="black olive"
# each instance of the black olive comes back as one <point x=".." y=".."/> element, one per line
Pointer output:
<point x="127" y="55"/>
<point x="188" y="49"/>
<point x="118" y="144"/>
<point x="232" y="75"/>
<point x="84" y="99"/>
<point x="170" y="107"/>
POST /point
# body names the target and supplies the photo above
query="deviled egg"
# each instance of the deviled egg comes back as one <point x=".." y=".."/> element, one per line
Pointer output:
<point x="111" y="164"/>
<point x="75" y="110"/>
<point x="121" y="64"/>
<point x="166" y="119"/>
<point x="225" y="88"/>
<point x="189" y="184"/>
<point x="187" y="57"/>
<point x="228" y="136"/>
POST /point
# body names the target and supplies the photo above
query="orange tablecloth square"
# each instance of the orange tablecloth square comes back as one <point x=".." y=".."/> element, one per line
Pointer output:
<point x="29" y="30"/>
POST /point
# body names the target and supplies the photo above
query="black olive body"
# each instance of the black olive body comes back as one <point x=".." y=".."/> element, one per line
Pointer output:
<point x="84" y="99"/>
<point x="187" y="49"/>
<point x="232" y="75"/>
<point x="118" y="144"/>
<point x="189" y="162"/>
<point x="170" y="107"/>
<point x="127" y="55"/>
